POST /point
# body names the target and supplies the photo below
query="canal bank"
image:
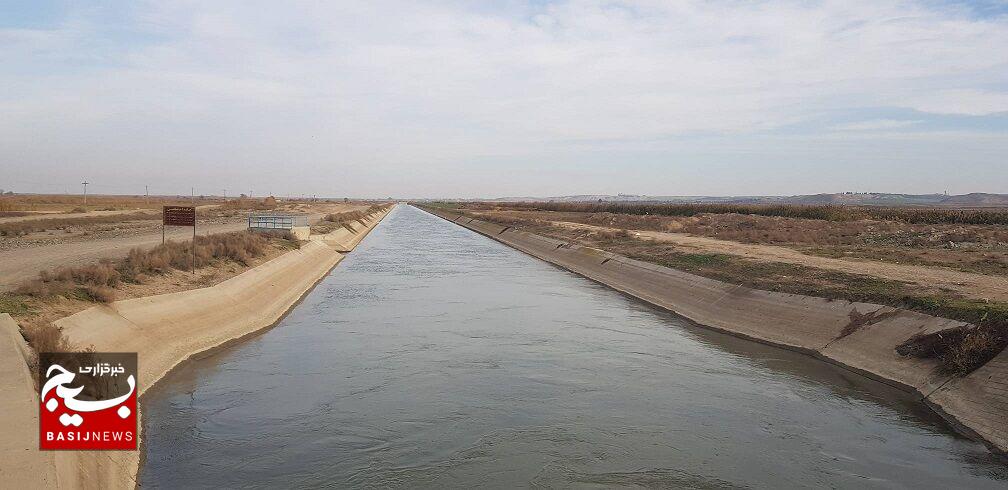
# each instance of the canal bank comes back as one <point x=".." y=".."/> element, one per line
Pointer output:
<point x="433" y="357"/>
<point x="164" y="331"/>
<point x="976" y="404"/>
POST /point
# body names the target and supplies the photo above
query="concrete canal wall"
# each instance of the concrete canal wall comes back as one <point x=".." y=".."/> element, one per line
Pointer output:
<point x="164" y="331"/>
<point x="22" y="465"/>
<point x="976" y="404"/>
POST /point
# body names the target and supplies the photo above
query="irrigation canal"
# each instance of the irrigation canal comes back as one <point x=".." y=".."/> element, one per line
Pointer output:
<point x="435" y="357"/>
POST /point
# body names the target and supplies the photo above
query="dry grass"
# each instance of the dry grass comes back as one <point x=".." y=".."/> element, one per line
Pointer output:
<point x="81" y="281"/>
<point x="45" y="337"/>
<point x="74" y="202"/>
<point x="349" y="216"/>
<point x="790" y="231"/>
<point x="959" y="350"/>
<point x="612" y="235"/>
<point x="374" y="208"/>
<point x="334" y="221"/>
<point x="264" y="204"/>
<point x="958" y="354"/>
<point x="346" y="219"/>
<point x="62" y="288"/>
<point x="97" y="282"/>
<point x="508" y="220"/>
<point x="238" y="247"/>
<point x="817" y="212"/>
<point x="980" y="249"/>
<point x="19" y="228"/>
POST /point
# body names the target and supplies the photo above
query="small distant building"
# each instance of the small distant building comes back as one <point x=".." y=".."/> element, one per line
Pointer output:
<point x="296" y="224"/>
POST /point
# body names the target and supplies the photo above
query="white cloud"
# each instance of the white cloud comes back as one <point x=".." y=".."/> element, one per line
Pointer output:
<point x="396" y="84"/>
<point x="962" y="101"/>
<point x="876" y="124"/>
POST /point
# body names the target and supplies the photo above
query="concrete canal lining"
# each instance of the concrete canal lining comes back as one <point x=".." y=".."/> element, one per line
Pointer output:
<point x="24" y="466"/>
<point x="164" y="331"/>
<point x="976" y="404"/>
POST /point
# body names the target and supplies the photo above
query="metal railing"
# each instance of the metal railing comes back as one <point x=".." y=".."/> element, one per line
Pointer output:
<point x="276" y="221"/>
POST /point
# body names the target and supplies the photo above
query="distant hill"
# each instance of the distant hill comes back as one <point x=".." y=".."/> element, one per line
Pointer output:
<point x="976" y="199"/>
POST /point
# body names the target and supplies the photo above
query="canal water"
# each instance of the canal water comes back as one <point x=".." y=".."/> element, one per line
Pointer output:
<point x="435" y="357"/>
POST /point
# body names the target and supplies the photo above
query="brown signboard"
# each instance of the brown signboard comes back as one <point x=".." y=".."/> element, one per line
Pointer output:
<point x="179" y="216"/>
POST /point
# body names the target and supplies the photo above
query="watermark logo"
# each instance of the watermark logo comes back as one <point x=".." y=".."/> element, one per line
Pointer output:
<point x="88" y="400"/>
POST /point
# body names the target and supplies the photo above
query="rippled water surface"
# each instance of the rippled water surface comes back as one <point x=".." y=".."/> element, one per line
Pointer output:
<point x="435" y="357"/>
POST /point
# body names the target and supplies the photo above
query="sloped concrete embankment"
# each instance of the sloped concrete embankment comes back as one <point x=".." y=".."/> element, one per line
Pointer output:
<point x="22" y="464"/>
<point x="976" y="404"/>
<point x="164" y="331"/>
<point x="348" y="236"/>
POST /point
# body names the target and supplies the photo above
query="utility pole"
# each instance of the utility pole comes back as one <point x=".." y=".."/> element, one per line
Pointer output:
<point x="225" y="194"/>
<point x="192" y="194"/>
<point x="85" y="183"/>
<point x="146" y="194"/>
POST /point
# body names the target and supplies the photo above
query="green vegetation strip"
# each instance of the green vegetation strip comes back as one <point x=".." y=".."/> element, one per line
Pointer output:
<point x="14" y="304"/>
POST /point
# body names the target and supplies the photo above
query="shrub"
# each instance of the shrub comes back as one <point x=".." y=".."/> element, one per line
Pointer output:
<point x="45" y="337"/>
<point x="344" y="217"/>
<point x="102" y="274"/>
<point x="62" y="280"/>
<point x="291" y="240"/>
<point x="976" y="348"/>
<point x="828" y="212"/>
<point x="959" y="350"/>
<point x="334" y="221"/>
<point x="612" y="234"/>
<point x="322" y="229"/>
<point x="96" y="282"/>
<point x="42" y="287"/>
<point x="99" y="294"/>
<point x="247" y="203"/>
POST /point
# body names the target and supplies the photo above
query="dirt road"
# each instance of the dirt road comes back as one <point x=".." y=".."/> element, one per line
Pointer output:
<point x="17" y="265"/>
<point x="25" y="263"/>
<point x="971" y="285"/>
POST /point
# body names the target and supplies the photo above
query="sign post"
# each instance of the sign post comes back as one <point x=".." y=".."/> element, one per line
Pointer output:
<point x="180" y="216"/>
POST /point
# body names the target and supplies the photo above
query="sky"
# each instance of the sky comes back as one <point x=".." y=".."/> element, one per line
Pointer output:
<point x="504" y="98"/>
